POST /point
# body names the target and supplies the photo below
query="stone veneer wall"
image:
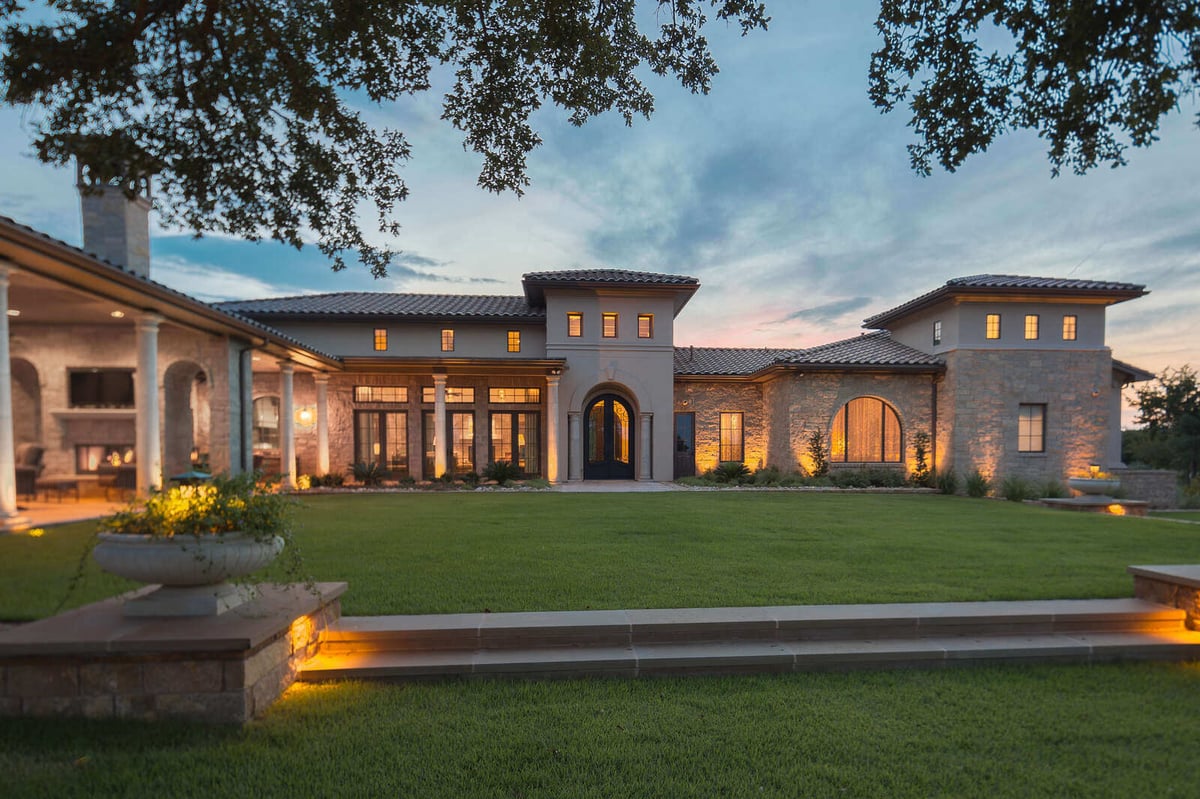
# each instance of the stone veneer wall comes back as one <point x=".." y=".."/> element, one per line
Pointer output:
<point x="981" y="399"/>
<point x="708" y="399"/>
<point x="1159" y="487"/>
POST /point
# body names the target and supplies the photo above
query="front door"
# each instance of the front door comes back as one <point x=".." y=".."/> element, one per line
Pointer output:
<point x="608" y="449"/>
<point x="685" y="445"/>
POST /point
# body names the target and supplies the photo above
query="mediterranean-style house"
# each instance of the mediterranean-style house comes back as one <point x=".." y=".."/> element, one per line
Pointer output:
<point x="578" y="378"/>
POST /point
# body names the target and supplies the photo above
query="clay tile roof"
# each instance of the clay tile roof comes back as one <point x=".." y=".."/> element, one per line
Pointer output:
<point x="868" y="349"/>
<point x="1134" y="374"/>
<point x="382" y="304"/>
<point x="626" y="276"/>
<point x="725" y="360"/>
<point x="1010" y="285"/>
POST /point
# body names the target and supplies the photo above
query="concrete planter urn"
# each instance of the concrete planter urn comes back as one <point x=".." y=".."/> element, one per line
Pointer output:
<point x="1094" y="486"/>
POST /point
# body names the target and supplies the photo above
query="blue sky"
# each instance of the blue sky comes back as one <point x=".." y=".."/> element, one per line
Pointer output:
<point x="784" y="191"/>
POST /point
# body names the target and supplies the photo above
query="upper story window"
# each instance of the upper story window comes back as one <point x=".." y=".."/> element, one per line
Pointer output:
<point x="1031" y="428"/>
<point x="645" y="325"/>
<point x="100" y="388"/>
<point x="992" y="325"/>
<point x="447" y="340"/>
<point x="574" y="324"/>
<point x="454" y="394"/>
<point x="608" y="325"/>
<point x="515" y="395"/>
<point x="1070" y="326"/>
<point x="1031" y="327"/>
<point x="937" y="332"/>
<point x="514" y="341"/>
<point x="380" y="339"/>
<point x="381" y="394"/>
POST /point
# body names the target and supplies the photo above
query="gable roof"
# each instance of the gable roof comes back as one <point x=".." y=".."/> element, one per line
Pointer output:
<point x="536" y="283"/>
<point x="1106" y="291"/>
<point x="865" y="351"/>
<point x="725" y="360"/>
<point x="350" y="304"/>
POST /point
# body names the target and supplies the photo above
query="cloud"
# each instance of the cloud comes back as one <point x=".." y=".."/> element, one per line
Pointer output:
<point x="826" y="313"/>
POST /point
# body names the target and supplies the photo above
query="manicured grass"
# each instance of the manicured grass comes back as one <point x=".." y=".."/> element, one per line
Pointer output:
<point x="431" y="553"/>
<point x="1186" y="515"/>
<point x="1050" y="731"/>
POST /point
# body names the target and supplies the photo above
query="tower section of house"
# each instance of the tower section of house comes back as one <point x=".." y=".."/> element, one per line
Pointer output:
<point x="1030" y="387"/>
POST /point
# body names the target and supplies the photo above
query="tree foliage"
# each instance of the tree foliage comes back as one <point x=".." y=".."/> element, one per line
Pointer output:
<point x="1090" y="77"/>
<point x="247" y="111"/>
<point x="1170" y="409"/>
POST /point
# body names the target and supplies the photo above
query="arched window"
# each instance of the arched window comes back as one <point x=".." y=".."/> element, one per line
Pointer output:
<point x="266" y="423"/>
<point x="865" y="430"/>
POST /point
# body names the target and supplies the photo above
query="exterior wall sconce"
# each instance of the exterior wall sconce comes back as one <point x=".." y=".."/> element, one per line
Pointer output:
<point x="305" y="417"/>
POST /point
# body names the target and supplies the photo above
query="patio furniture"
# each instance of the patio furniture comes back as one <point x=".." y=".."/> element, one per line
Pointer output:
<point x="29" y="467"/>
<point x="60" y="484"/>
<point x="121" y="479"/>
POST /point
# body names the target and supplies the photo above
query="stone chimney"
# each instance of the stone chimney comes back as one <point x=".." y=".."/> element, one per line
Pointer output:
<point x="116" y="220"/>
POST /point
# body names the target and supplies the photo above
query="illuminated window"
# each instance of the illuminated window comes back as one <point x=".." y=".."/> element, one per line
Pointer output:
<point x="380" y="339"/>
<point x="1070" y="324"/>
<point x="937" y="332"/>
<point x="462" y="442"/>
<point x="381" y="437"/>
<point x="454" y="394"/>
<point x="1031" y="327"/>
<point x="514" y="438"/>
<point x="609" y="325"/>
<point x="515" y="395"/>
<point x="993" y="325"/>
<point x="865" y="430"/>
<point x="645" y="325"/>
<point x="1031" y="428"/>
<point x="381" y="394"/>
<point x="732" y="440"/>
<point x="266" y="423"/>
<point x="574" y="324"/>
<point x="514" y="341"/>
<point x="447" y="341"/>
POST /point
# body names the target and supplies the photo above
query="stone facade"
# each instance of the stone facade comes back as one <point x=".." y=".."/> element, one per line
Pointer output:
<point x="1159" y="487"/>
<point x="708" y="400"/>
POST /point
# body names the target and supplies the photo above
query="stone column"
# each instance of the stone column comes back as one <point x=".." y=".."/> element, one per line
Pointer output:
<point x="246" y="388"/>
<point x="552" y="429"/>
<point x="9" y="518"/>
<point x="322" y="381"/>
<point x="645" y="471"/>
<point x="574" y="446"/>
<point x="287" y="425"/>
<point x="439" y="425"/>
<point x="149" y="436"/>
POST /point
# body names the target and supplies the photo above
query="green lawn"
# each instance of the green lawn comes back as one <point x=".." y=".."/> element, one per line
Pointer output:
<point x="422" y="553"/>
<point x="1186" y="515"/>
<point x="1050" y="731"/>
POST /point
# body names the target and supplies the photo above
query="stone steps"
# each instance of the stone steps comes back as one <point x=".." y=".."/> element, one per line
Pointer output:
<point x="633" y="643"/>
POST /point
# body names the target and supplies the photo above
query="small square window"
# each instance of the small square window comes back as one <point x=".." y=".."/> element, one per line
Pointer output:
<point x="380" y="339"/>
<point x="1031" y="327"/>
<point x="993" y="325"/>
<point x="1070" y="326"/>
<point x="574" y="324"/>
<point x="609" y="325"/>
<point x="447" y="341"/>
<point x="645" y="325"/>
<point x="937" y="332"/>
<point x="514" y="341"/>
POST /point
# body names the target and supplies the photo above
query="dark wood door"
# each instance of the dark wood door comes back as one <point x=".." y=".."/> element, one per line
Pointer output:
<point x="608" y="444"/>
<point x="685" y="445"/>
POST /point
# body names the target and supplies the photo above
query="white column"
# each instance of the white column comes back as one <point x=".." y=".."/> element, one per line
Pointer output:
<point x="575" y="447"/>
<point x="439" y="425"/>
<point x="645" y="473"/>
<point x="322" y="381"/>
<point x="149" y="436"/>
<point x="247" y="401"/>
<point x="552" y="429"/>
<point x="287" y="425"/>
<point x="9" y="518"/>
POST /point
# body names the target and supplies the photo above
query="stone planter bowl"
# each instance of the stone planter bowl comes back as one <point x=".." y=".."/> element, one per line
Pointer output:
<point x="185" y="560"/>
<point x="1102" y="486"/>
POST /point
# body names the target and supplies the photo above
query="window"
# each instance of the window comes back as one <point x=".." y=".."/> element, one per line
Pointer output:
<point x="608" y="325"/>
<point x="380" y="339"/>
<point x="993" y="325"/>
<point x="462" y="443"/>
<point x="937" y="332"/>
<point x="514" y="438"/>
<point x="100" y="388"/>
<point x="381" y="437"/>
<point x="1070" y="325"/>
<point x="732" y="440"/>
<point x="266" y="423"/>
<point x="393" y="394"/>
<point x="865" y="430"/>
<point x="574" y="324"/>
<point x="645" y="325"/>
<point x="515" y="395"/>
<point x="447" y="341"/>
<point x="1031" y="327"/>
<point x="454" y="394"/>
<point x="1031" y="428"/>
<point x="514" y="341"/>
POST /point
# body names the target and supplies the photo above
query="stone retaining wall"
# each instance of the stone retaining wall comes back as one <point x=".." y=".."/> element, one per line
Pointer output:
<point x="1159" y="487"/>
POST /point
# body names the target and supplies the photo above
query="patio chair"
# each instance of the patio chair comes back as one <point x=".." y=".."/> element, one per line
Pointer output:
<point x="29" y="467"/>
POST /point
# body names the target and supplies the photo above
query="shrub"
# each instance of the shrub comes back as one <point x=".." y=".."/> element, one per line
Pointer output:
<point x="850" y="478"/>
<point x="693" y="480"/>
<point x="369" y="474"/>
<point x="537" y="482"/>
<point x="731" y="472"/>
<point x="947" y="482"/>
<point x="816" y="453"/>
<point x="978" y="485"/>
<point x="1053" y="489"/>
<point x="331" y="480"/>
<point x="921" y="474"/>
<point x="471" y="478"/>
<point x="768" y="476"/>
<point x="1017" y="489"/>
<point x="502" y="471"/>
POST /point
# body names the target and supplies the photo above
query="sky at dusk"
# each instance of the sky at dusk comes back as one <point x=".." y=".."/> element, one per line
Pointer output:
<point x="784" y="191"/>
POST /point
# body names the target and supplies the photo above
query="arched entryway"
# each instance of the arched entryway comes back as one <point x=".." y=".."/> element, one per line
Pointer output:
<point x="186" y="418"/>
<point x="608" y="439"/>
